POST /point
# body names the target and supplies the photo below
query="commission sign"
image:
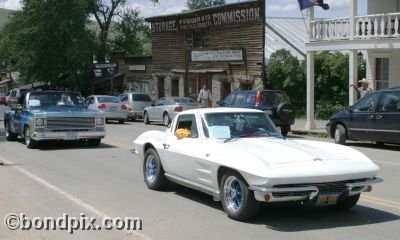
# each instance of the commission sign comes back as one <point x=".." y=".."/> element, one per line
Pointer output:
<point x="225" y="55"/>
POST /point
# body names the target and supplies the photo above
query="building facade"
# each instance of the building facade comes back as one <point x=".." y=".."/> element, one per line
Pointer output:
<point x="377" y="34"/>
<point x="221" y="47"/>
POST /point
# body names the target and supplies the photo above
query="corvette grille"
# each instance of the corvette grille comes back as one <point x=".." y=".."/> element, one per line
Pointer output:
<point x="335" y="187"/>
<point x="70" y="123"/>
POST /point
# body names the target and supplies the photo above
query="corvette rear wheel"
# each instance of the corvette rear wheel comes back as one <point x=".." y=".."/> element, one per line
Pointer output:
<point x="347" y="203"/>
<point x="153" y="171"/>
<point x="237" y="200"/>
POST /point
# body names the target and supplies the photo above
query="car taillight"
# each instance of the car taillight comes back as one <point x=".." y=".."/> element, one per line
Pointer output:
<point x="178" y="109"/>
<point x="102" y="106"/>
<point x="124" y="106"/>
<point x="258" y="98"/>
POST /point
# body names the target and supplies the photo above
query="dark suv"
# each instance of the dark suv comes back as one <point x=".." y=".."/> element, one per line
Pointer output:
<point x="375" y="117"/>
<point x="275" y="103"/>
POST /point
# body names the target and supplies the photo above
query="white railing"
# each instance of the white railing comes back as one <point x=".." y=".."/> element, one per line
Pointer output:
<point x="366" y="27"/>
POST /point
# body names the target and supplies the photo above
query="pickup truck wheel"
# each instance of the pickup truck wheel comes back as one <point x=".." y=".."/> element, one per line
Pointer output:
<point x="347" y="203"/>
<point x="153" y="171"/>
<point x="237" y="200"/>
<point x="340" y="134"/>
<point x="10" y="136"/>
<point x="94" y="142"/>
<point x="166" y="119"/>
<point x="146" y="118"/>
<point x="29" y="142"/>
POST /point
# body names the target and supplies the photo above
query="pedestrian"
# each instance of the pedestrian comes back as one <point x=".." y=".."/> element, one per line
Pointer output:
<point x="364" y="89"/>
<point x="204" y="97"/>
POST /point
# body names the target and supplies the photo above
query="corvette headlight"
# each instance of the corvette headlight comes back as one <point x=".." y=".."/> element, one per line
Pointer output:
<point x="39" y="121"/>
<point x="99" y="121"/>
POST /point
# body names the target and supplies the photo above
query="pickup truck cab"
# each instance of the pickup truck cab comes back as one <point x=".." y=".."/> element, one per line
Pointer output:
<point x="53" y="115"/>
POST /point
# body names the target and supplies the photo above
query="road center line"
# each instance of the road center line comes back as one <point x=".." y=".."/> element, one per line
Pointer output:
<point x="70" y="197"/>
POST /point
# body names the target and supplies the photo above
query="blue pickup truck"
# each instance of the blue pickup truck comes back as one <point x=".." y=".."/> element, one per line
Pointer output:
<point x="53" y="115"/>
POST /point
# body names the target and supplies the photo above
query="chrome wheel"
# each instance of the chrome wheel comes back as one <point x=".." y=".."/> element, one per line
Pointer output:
<point x="27" y="137"/>
<point x="233" y="194"/>
<point x="151" y="169"/>
<point x="166" y="119"/>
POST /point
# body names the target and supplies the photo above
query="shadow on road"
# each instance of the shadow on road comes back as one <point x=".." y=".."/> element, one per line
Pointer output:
<point x="296" y="218"/>
<point x="67" y="145"/>
<point x="390" y="147"/>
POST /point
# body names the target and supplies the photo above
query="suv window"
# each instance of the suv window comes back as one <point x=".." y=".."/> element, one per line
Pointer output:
<point x="367" y="103"/>
<point x="239" y="98"/>
<point x="229" y="99"/>
<point x="273" y="98"/>
<point x="124" y="98"/>
<point x="390" y="102"/>
<point x="250" y="99"/>
<point x="141" y="97"/>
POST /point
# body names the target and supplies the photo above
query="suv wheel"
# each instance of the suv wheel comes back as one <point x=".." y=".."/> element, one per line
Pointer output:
<point x="285" y="113"/>
<point x="285" y="130"/>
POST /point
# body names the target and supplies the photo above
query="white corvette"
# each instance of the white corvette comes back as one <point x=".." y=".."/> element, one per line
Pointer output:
<point x="240" y="158"/>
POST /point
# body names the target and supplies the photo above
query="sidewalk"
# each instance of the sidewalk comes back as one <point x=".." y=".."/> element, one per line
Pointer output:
<point x="298" y="128"/>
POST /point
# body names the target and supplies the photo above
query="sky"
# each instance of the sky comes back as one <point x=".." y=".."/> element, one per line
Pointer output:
<point x="275" y="8"/>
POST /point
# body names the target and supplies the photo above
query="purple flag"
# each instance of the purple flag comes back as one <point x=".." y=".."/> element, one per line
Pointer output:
<point x="309" y="3"/>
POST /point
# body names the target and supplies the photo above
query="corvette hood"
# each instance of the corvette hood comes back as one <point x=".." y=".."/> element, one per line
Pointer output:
<point x="280" y="152"/>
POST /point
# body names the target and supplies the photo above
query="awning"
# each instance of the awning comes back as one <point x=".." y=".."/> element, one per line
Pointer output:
<point x="3" y="82"/>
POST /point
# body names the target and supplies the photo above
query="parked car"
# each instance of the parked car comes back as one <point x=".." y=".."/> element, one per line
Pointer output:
<point x="53" y="115"/>
<point x="3" y="98"/>
<point x="14" y="97"/>
<point x="275" y="103"/>
<point x="164" y="109"/>
<point x="112" y="107"/>
<point x="375" y="117"/>
<point x="239" y="157"/>
<point x="137" y="103"/>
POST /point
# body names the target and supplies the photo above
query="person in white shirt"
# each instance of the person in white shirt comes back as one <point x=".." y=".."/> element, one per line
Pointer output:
<point x="204" y="97"/>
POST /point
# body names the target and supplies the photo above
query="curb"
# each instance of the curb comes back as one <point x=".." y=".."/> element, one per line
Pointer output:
<point x="314" y="133"/>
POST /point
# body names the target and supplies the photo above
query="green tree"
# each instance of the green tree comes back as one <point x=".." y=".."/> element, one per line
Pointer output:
<point x="132" y="34"/>
<point x="286" y="72"/>
<point x="106" y="12"/>
<point x="48" y="41"/>
<point x="199" y="4"/>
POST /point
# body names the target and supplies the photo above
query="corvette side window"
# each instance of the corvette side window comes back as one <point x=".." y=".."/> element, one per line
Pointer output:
<point x="186" y="127"/>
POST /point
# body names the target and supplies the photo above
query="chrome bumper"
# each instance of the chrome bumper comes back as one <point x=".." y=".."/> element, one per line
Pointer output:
<point x="39" y="136"/>
<point x="305" y="193"/>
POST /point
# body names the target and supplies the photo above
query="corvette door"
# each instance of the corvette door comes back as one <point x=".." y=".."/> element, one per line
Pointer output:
<point x="181" y="153"/>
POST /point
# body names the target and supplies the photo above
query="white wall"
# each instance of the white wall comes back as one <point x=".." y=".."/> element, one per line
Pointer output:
<point x="394" y="63"/>
<point x="383" y="6"/>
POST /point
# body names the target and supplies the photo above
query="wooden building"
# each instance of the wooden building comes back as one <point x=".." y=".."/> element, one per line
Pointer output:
<point x="221" y="47"/>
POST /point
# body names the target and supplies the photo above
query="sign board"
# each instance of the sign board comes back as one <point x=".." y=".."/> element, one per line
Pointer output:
<point x="223" y="55"/>
<point x="141" y="67"/>
<point x="228" y="15"/>
<point x="105" y="65"/>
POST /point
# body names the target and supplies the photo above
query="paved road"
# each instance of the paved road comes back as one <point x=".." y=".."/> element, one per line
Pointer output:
<point x="107" y="181"/>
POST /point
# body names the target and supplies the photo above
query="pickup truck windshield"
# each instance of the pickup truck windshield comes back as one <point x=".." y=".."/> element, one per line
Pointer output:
<point x="55" y="99"/>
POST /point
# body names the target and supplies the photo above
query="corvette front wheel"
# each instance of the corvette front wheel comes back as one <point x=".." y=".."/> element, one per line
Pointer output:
<point x="153" y="171"/>
<point x="237" y="200"/>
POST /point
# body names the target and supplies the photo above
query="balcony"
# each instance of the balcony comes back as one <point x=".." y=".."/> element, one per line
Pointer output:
<point x="378" y="26"/>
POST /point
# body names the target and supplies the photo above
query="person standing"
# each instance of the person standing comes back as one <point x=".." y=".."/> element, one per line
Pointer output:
<point x="363" y="90"/>
<point x="204" y="97"/>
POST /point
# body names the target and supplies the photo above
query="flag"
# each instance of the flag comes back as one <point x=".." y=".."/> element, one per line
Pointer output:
<point x="309" y="3"/>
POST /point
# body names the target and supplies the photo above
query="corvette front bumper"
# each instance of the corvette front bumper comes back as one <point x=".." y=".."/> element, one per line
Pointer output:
<point x="305" y="193"/>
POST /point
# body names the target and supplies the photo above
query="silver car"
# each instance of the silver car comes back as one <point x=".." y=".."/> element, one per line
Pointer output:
<point x="137" y="102"/>
<point x="164" y="109"/>
<point x="112" y="107"/>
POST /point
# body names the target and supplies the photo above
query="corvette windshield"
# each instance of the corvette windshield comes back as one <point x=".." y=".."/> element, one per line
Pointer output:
<point x="231" y="125"/>
<point x="55" y="99"/>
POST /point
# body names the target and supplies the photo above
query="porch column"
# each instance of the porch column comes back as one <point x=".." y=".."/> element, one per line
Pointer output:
<point x="310" y="124"/>
<point x="353" y="75"/>
<point x="353" y="13"/>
